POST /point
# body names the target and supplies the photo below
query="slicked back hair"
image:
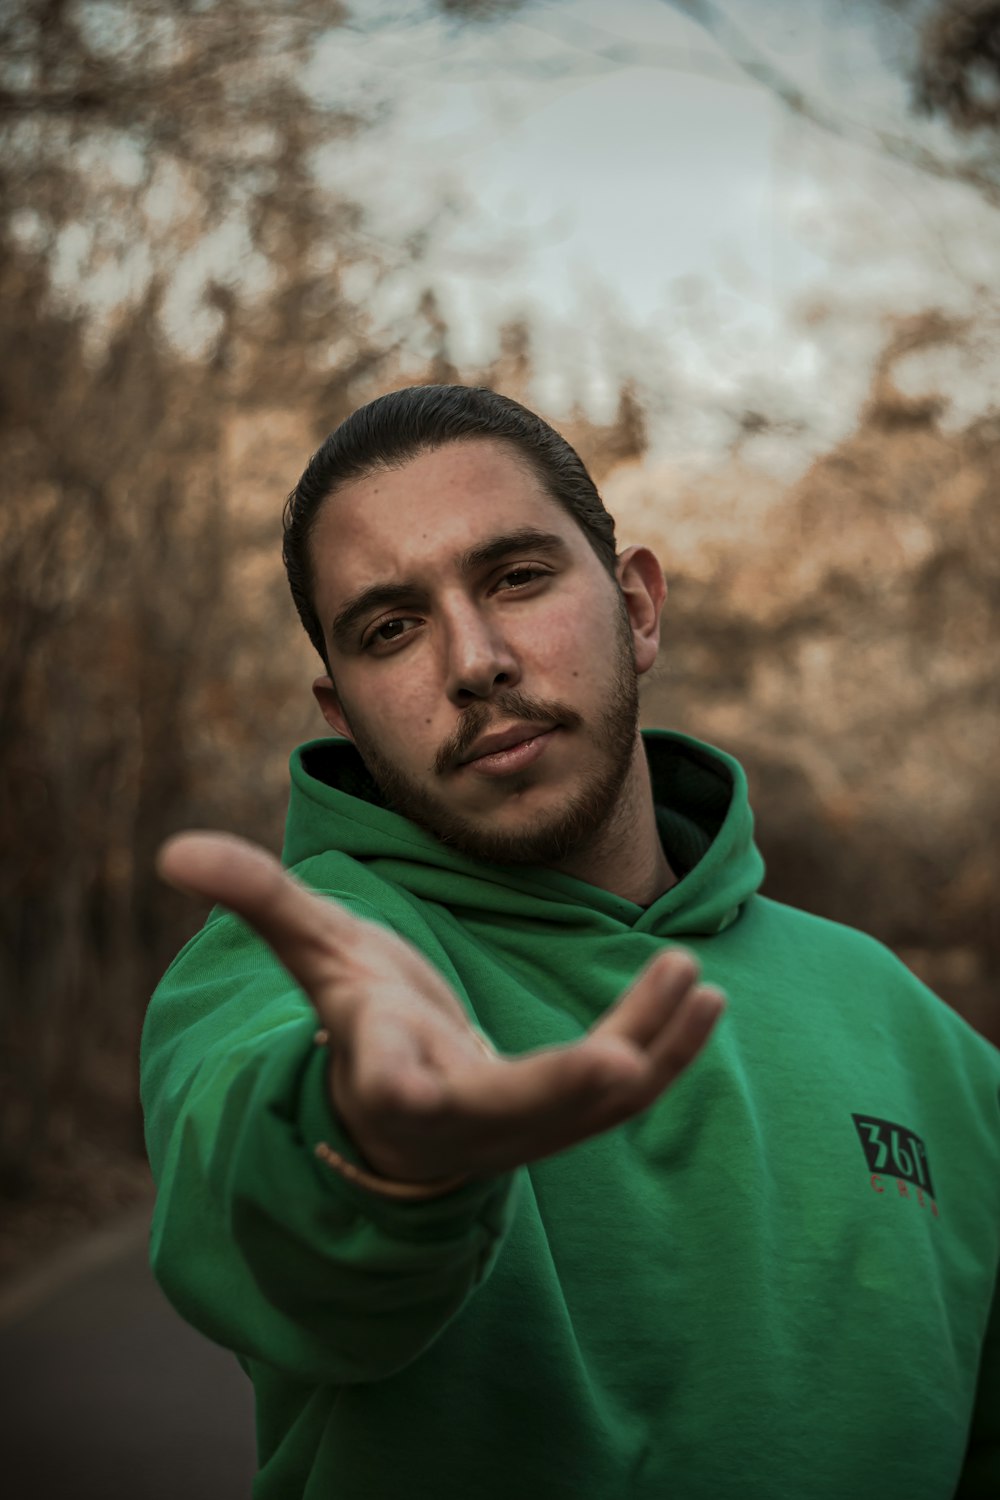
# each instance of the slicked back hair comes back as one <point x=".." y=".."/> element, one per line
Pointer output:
<point x="393" y="429"/>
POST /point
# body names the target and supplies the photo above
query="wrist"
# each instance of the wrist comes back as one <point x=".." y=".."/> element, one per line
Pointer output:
<point x="386" y="1187"/>
<point x="362" y="1174"/>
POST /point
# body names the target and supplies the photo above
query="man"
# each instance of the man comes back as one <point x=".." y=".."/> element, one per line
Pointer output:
<point x="442" y="1153"/>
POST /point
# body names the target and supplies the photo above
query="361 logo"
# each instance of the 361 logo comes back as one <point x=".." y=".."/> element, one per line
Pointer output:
<point x="894" y="1150"/>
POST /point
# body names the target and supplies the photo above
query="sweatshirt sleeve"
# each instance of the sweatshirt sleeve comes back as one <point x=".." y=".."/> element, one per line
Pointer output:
<point x="255" y="1240"/>
<point x="981" y="1471"/>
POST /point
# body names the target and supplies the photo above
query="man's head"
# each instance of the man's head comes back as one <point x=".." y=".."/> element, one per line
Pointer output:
<point x="453" y="564"/>
<point x="390" y="431"/>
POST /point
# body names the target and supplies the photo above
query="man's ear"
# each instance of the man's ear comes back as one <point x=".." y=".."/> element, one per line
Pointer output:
<point x="644" y="587"/>
<point x="329" y="706"/>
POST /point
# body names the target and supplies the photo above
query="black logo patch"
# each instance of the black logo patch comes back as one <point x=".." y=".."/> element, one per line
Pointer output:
<point x="894" y="1150"/>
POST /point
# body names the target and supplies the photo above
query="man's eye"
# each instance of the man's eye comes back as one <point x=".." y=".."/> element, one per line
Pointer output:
<point x="518" y="578"/>
<point x="388" y="631"/>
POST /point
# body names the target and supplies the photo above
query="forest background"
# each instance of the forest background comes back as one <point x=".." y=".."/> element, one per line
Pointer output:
<point x="834" y="599"/>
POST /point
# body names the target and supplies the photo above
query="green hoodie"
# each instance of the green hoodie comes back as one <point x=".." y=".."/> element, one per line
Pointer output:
<point x="776" y="1282"/>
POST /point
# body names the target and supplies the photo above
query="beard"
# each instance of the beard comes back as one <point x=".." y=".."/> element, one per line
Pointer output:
<point x="565" y="830"/>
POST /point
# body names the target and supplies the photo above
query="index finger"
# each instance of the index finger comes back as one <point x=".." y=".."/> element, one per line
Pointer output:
<point x="303" y="928"/>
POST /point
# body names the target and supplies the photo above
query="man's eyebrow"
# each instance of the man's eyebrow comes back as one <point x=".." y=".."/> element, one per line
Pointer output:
<point x="380" y="596"/>
<point x="370" y="600"/>
<point x="526" y="539"/>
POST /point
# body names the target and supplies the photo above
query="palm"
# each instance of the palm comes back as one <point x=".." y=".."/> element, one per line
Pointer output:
<point x="416" y="1086"/>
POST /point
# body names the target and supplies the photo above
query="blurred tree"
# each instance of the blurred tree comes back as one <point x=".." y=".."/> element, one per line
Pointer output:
<point x="957" y="70"/>
<point x="845" y="649"/>
<point x="173" y="272"/>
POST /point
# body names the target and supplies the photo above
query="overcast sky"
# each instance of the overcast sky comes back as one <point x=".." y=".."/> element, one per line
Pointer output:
<point x="610" y="174"/>
<point x="653" y="211"/>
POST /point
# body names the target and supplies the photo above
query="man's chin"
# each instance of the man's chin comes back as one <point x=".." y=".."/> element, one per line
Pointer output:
<point x="534" y="817"/>
<point x="534" y="832"/>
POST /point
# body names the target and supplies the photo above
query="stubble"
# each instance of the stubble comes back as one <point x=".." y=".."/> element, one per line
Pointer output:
<point x="578" y="823"/>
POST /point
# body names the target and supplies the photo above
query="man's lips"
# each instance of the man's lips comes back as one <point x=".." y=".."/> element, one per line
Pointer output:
<point x="508" y="749"/>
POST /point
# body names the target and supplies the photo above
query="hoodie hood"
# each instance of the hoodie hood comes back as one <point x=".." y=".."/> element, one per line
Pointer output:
<point x="703" y="815"/>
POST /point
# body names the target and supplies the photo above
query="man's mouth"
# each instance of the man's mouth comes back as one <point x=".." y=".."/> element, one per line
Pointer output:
<point x="509" y="749"/>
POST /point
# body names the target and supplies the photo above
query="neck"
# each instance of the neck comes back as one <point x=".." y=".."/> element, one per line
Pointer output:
<point x="625" y="856"/>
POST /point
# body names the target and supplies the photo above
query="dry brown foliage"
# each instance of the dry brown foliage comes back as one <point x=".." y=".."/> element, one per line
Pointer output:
<point x="845" y="647"/>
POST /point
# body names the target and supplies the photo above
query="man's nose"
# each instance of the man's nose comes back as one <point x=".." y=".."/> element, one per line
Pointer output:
<point x="479" y="658"/>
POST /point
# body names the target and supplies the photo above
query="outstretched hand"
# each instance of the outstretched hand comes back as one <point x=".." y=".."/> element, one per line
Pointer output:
<point x="420" y="1092"/>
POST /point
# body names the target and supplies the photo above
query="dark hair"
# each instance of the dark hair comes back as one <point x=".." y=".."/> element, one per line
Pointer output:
<point x="391" y="430"/>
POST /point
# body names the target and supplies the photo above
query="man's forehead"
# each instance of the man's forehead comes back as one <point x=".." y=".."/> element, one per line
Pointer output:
<point x="427" y="514"/>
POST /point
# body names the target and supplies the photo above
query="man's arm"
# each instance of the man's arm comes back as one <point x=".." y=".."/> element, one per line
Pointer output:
<point x="257" y="1240"/>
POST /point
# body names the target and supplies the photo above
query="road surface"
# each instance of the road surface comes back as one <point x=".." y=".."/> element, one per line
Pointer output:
<point x="105" y="1394"/>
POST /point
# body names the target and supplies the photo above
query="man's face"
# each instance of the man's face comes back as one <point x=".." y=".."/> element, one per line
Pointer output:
<point x="484" y="660"/>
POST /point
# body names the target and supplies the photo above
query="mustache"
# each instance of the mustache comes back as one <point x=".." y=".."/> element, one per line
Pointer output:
<point x="479" y="718"/>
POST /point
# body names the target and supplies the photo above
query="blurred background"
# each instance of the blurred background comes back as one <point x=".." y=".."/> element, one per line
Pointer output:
<point x="745" y="256"/>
